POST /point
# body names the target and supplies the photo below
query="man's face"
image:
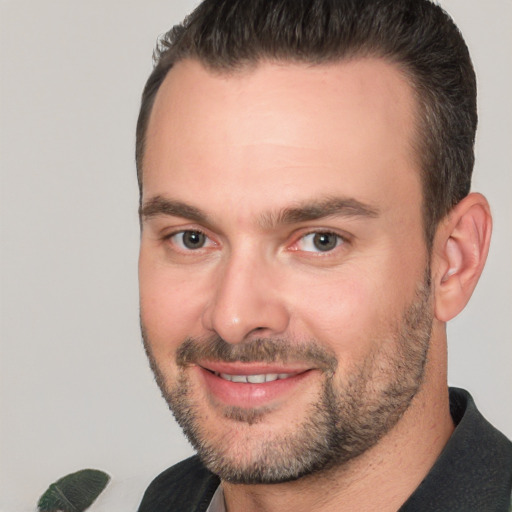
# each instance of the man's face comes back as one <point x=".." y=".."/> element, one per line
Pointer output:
<point x="285" y="296"/>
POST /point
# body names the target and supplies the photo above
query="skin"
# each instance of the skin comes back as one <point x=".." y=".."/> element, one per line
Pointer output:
<point x="243" y="147"/>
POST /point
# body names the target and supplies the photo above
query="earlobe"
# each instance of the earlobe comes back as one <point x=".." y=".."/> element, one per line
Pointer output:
<point x="461" y="247"/>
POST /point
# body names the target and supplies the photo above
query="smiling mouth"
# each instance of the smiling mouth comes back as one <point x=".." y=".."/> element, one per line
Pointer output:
<point x="251" y="385"/>
<point x="260" y="378"/>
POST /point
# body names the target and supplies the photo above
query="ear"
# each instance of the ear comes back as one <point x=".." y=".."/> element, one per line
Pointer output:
<point x="460" y="250"/>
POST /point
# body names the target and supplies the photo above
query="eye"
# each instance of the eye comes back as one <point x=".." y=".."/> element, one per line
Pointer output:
<point x="319" y="242"/>
<point x="190" y="240"/>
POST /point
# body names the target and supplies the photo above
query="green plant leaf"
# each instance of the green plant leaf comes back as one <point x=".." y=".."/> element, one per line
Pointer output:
<point x="74" y="492"/>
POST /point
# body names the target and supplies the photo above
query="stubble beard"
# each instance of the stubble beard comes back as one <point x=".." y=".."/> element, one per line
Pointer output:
<point x="343" y="423"/>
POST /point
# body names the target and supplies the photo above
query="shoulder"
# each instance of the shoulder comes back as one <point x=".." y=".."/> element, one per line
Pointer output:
<point x="187" y="485"/>
<point x="475" y="434"/>
<point x="474" y="471"/>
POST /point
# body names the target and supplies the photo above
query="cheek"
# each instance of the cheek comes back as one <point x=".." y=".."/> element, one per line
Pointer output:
<point x="334" y="311"/>
<point x="171" y="304"/>
<point x="349" y="311"/>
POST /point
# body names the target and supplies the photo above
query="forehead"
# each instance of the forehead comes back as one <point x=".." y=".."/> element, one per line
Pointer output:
<point x="294" y="126"/>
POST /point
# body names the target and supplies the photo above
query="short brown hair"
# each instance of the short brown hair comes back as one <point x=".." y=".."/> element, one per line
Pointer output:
<point x="227" y="35"/>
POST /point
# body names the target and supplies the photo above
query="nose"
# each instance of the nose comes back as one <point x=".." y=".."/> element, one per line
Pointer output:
<point x="246" y="302"/>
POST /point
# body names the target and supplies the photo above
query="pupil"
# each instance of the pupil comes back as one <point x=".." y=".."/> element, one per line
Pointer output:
<point x="193" y="239"/>
<point x="325" y="241"/>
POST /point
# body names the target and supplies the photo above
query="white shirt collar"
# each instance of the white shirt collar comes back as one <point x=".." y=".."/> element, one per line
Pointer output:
<point x="217" y="504"/>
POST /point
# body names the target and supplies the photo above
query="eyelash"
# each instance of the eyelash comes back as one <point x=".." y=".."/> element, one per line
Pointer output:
<point x="341" y="240"/>
<point x="170" y="236"/>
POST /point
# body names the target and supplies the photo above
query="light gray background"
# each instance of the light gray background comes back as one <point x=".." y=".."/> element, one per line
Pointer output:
<point x="75" y="388"/>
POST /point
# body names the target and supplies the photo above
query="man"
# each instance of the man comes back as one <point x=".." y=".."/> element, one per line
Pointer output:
<point x="307" y="232"/>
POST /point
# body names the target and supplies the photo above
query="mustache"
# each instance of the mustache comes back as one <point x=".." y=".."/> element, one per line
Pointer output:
<point x="266" y="350"/>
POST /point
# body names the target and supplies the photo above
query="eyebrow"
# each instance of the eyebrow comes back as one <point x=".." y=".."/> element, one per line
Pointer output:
<point x="314" y="210"/>
<point x="161" y="206"/>
<point x="302" y="212"/>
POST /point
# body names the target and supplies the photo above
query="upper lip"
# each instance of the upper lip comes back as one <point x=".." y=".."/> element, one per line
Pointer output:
<point x="255" y="368"/>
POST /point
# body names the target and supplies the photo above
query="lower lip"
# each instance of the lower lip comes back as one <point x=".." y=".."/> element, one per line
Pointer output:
<point x="247" y="395"/>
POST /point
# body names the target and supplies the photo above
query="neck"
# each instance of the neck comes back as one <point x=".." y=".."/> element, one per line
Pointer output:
<point x="381" y="478"/>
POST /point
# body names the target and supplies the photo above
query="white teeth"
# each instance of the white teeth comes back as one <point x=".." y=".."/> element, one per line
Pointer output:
<point x="255" y="379"/>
